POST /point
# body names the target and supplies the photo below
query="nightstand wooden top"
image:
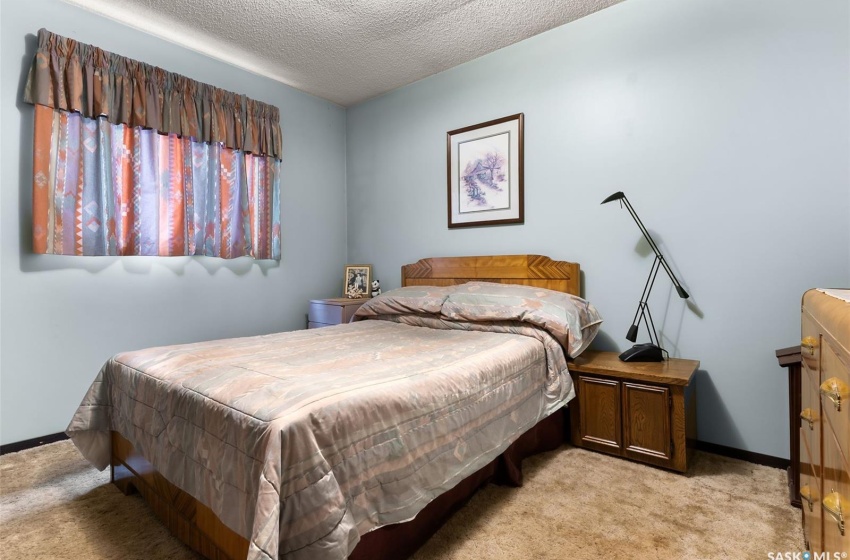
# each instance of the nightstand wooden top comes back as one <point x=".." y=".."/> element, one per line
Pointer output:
<point x="340" y="301"/>
<point x="674" y="371"/>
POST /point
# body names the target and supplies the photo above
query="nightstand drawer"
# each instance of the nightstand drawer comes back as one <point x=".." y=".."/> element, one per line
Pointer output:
<point x="327" y="314"/>
<point x="332" y="311"/>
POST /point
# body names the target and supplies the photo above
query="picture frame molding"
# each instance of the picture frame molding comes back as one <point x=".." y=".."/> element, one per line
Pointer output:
<point x="520" y="118"/>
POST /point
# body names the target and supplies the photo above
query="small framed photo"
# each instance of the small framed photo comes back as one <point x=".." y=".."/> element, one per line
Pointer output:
<point x="485" y="173"/>
<point x="358" y="280"/>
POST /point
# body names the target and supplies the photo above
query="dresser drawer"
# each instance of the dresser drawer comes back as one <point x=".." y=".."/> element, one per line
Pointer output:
<point x="810" y="341"/>
<point x="810" y="423"/>
<point x="835" y="392"/>
<point x="810" y="495"/>
<point x="835" y="496"/>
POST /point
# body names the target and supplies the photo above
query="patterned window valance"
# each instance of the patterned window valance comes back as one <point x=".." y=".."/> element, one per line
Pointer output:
<point x="73" y="76"/>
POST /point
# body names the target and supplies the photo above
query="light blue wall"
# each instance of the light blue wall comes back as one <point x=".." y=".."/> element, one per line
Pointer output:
<point x="62" y="317"/>
<point x="726" y="122"/>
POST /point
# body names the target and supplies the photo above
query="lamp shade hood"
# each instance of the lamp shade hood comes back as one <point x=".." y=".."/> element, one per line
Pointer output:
<point x="616" y="196"/>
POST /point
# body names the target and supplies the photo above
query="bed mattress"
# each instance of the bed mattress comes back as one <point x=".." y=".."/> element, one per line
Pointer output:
<point x="303" y="441"/>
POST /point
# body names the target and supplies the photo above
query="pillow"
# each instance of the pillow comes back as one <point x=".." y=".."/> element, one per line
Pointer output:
<point x="572" y="320"/>
<point x="412" y="299"/>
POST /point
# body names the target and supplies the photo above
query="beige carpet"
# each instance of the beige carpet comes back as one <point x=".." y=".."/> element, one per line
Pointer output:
<point x="574" y="505"/>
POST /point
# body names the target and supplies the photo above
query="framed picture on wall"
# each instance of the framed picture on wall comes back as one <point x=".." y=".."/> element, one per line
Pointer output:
<point x="357" y="280"/>
<point x="485" y="169"/>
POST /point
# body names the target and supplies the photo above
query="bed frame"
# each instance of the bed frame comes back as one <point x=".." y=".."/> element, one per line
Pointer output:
<point x="197" y="526"/>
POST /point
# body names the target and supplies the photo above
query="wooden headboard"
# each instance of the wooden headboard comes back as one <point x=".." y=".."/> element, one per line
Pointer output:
<point x="529" y="270"/>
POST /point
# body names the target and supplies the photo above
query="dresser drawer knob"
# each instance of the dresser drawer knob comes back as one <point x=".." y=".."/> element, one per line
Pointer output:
<point x="834" y="504"/>
<point x="809" y="344"/>
<point x="835" y="390"/>
<point x="806" y="494"/>
<point x="809" y="417"/>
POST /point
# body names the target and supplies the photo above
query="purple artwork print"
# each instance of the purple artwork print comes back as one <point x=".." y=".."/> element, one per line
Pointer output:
<point x="484" y="174"/>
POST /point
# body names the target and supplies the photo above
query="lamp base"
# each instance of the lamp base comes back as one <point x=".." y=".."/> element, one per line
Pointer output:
<point x="647" y="352"/>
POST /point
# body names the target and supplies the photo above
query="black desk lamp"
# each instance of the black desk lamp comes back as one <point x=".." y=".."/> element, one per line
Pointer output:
<point x="652" y="351"/>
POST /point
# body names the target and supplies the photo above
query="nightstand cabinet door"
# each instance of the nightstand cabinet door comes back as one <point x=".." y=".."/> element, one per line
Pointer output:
<point x="599" y="409"/>
<point x="646" y="423"/>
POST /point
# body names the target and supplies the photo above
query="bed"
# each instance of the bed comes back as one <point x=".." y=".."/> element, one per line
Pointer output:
<point x="350" y="441"/>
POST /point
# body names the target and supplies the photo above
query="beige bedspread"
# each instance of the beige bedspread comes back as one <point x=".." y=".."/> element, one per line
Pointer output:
<point x="304" y="441"/>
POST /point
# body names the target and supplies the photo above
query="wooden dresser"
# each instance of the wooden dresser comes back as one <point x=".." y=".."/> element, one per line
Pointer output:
<point x="825" y="426"/>
<point x="332" y="311"/>
<point x="642" y="411"/>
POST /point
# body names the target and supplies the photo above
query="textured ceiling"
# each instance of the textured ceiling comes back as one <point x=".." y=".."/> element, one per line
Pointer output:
<point x="344" y="51"/>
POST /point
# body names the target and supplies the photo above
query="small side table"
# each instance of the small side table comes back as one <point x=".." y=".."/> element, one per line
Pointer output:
<point x="332" y="311"/>
<point x="792" y="359"/>
<point x="644" y="411"/>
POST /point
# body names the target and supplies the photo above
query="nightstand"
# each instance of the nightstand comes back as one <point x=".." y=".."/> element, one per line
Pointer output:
<point x="332" y="311"/>
<point x="792" y="359"/>
<point x="643" y="411"/>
